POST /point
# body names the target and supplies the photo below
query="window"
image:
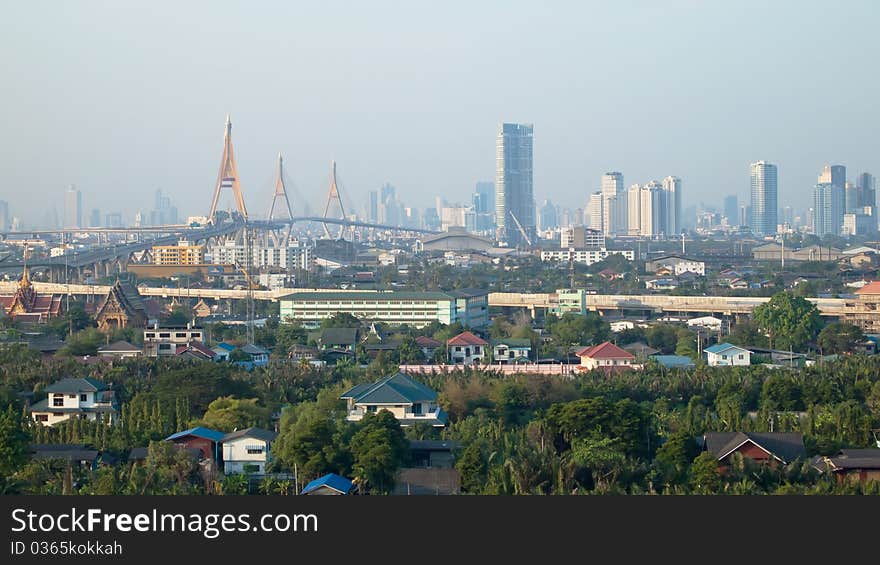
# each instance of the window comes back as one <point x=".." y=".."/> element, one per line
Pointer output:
<point x="164" y="346"/>
<point x="58" y="400"/>
<point x="165" y="335"/>
<point x="724" y="356"/>
<point x="741" y="356"/>
<point x="254" y="449"/>
<point x="417" y="408"/>
<point x="83" y="397"/>
<point x="149" y="335"/>
<point x="371" y="409"/>
<point x="180" y="334"/>
<point x="42" y="417"/>
<point x="58" y="414"/>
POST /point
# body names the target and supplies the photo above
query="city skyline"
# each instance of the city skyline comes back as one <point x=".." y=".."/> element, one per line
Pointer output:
<point x="133" y="138"/>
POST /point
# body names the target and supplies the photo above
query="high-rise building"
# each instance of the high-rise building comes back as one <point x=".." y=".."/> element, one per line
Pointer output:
<point x="613" y="204"/>
<point x="373" y="211"/>
<point x="850" y="197"/>
<point x="73" y="208"/>
<point x="596" y="211"/>
<point x="828" y="209"/>
<point x="672" y="196"/>
<point x="867" y="191"/>
<point x="484" y="208"/>
<point x="731" y="209"/>
<point x="514" y="196"/>
<point x="764" y="198"/>
<point x="634" y="210"/>
<point x="388" y="192"/>
<point x="95" y="218"/>
<point x="829" y="200"/>
<point x="652" y="216"/>
<point x="548" y="216"/>
<point x="4" y="215"/>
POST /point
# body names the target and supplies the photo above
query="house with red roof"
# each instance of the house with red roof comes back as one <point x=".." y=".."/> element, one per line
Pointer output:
<point x="428" y="346"/>
<point x="605" y="356"/>
<point x="466" y="349"/>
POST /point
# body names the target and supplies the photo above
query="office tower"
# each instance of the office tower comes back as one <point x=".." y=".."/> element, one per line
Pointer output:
<point x="731" y="209"/>
<point x="486" y="192"/>
<point x="113" y="220"/>
<point x="388" y="192"/>
<point x="828" y="209"/>
<point x="634" y="210"/>
<point x="833" y="174"/>
<point x="73" y="208"/>
<point x="613" y="204"/>
<point x="763" y="197"/>
<point x="4" y="215"/>
<point x="652" y="213"/>
<point x="596" y="211"/>
<point x="672" y="205"/>
<point x="95" y="218"/>
<point x="788" y="215"/>
<point x="867" y="191"/>
<point x="850" y="197"/>
<point x="548" y="217"/>
<point x="514" y="199"/>
<point x="373" y="210"/>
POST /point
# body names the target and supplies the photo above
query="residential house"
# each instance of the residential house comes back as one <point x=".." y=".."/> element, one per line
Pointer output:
<point x="640" y="349"/>
<point x="431" y="470"/>
<point x="772" y="448"/>
<point x="195" y="350"/>
<point x="676" y="265"/>
<point x="247" y="451"/>
<point x="329" y="484"/>
<point x="511" y="350"/>
<point x="853" y="465"/>
<point x="77" y="453"/>
<point x="727" y="354"/>
<point x="622" y="325"/>
<point x="606" y="356"/>
<point x="428" y="346"/>
<point x="344" y="339"/>
<point x="160" y="341"/>
<point x="739" y="284"/>
<point x="466" y="349"/>
<point x="206" y="440"/>
<point x="408" y="400"/>
<point x="120" y="350"/>
<point x="257" y="356"/>
<point x="661" y="284"/>
<point x="303" y="352"/>
<point x="222" y="351"/>
<point x="86" y="398"/>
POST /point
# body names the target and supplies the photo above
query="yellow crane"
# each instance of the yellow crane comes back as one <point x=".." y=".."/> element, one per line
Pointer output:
<point x="251" y="284"/>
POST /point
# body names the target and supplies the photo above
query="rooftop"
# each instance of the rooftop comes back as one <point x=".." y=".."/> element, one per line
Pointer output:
<point x="606" y="350"/>
<point x="399" y="388"/>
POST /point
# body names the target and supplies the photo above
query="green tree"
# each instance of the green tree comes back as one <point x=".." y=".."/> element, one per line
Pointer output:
<point x="838" y="337"/>
<point x="340" y="320"/>
<point x="788" y="321"/>
<point x="228" y="413"/>
<point x="14" y="442"/>
<point x="675" y="455"/>
<point x="179" y="316"/>
<point x="704" y="477"/>
<point x="379" y="448"/>
<point x="472" y="467"/>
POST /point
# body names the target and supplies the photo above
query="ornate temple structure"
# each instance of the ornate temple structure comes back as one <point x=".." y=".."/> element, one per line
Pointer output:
<point x="27" y="305"/>
<point x="121" y="308"/>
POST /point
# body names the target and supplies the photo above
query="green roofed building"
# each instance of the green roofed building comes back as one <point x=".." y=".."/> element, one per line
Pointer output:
<point x="416" y="309"/>
<point x="409" y="401"/>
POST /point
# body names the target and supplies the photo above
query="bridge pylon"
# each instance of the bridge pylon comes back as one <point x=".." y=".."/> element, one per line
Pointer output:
<point x="280" y="192"/>
<point x="228" y="176"/>
<point x="334" y="194"/>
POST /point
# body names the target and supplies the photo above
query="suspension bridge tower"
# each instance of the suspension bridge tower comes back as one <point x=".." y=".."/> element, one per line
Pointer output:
<point x="280" y="193"/>
<point x="334" y="195"/>
<point x="228" y="177"/>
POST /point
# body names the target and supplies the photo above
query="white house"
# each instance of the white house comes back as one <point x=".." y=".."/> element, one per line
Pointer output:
<point x="511" y="350"/>
<point x="708" y="322"/>
<point x="86" y="398"/>
<point x="247" y="451"/>
<point x="466" y="349"/>
<point x="727" y="354"/>
<point x="677" y="265"/>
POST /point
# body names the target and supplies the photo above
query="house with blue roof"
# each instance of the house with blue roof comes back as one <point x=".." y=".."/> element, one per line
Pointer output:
<point x="329" y="484"/>
<point x="205" y="440"/>
<point x="408" y="400"/>
<point x="727" y="354"/>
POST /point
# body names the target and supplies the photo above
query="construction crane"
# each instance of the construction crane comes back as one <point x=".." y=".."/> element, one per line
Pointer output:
<point x="521" y="230"/>
<point x="251" y="284"/>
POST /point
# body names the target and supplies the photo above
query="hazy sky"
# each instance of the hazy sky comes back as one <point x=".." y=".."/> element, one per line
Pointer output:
<point x="121" y="98"/>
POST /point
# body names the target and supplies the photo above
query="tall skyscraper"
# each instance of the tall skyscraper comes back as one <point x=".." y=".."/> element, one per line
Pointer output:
<point x="829" y="200"/>
<point x="828" y="209"/>
<point x="672" y="196"/>
<point x="388" y="192"/>
<point x="867" y="191"/>
<point x="596" y="210"/>
<point x="764" y="198"/>
<point x="95" y="218"/>
<point x="514" y="195"/>
<point x="373" y="210"/>
<point x="731" y="209"/>
<point x="548" y="217"/>
<point x="484" y="192"/>
<point x="613" y="203"/>
<point x="634" y="210"/>
<point x="73" y="208"/>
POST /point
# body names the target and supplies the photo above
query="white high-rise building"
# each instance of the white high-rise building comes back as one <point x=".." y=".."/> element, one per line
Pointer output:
<point x="764" y="198"/>
<point x="613" y="203"/>
<point x="73" y="208"/>
<point x="634" y="210"/>
<point x="672" y="194"/>
<point x="596" y="214"/>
